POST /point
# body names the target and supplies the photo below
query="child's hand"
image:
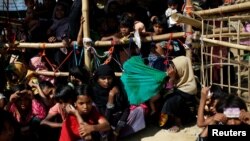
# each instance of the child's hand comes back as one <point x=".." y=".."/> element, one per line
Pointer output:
<point x="85" y="131"/>
<point x="14" y="96"/>
<point x="204" y="93"/>
<point x="219" y="118"/>
<point x="52" y="39"/>
<point x="70" y="109"/>
<point x="245" y="117"/>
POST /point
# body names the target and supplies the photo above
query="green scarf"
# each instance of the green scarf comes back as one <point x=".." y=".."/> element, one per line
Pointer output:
<point x="140" y="81"/>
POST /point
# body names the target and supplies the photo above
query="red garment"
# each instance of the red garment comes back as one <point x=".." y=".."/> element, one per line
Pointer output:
<point x="70" y="126"/>
<point x="37" y="110"/>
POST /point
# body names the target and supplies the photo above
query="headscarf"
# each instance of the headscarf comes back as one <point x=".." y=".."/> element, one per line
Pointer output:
<point x="17" y="68"/>
<point x="100" y="94"/>
<point x="186" y="81"/>
<point x="104" y="70"/>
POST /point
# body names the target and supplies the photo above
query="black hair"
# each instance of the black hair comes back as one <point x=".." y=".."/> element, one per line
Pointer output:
<point x="65" y="93"/>
<point x="81" y="73"/>
<point x="217" y="92"/>
<point x="44" y="84"/>
<point x="230" y="101"/>
<point x="161" y="20"/>
<point x="127" y="21"/>
<point x="85" y="90"/>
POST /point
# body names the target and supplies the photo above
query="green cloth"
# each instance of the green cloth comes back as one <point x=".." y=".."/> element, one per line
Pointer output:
<point x="140" y="81"/>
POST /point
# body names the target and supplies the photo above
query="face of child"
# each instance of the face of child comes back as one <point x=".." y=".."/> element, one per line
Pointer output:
<point x="233" y="121"/>
<point x="173" y="6"/>
<point x="83" y="104"/>
<point x="23" y="103"/>
<point x="158" y="29"/>
<point x="48" y="91"/>
<point x="212" y="106"/>
<point x="124" y="30"/>
<point x="59" y="12"/>
<point x="105" y="81"/>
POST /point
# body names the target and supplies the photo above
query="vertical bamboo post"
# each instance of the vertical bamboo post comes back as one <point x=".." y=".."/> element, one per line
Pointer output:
<point x="188" y="28"/>
<point x="86" y="33"/>
<point x="239" y="58"/>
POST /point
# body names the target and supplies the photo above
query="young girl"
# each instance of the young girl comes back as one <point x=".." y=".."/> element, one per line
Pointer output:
<point x="83" y="121"/>
<point x="27" y="111"/>
<point x="208" y="100"/>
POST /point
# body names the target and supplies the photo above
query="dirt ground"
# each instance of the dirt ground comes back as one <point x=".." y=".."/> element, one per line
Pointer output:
<point x="153" y="133"/>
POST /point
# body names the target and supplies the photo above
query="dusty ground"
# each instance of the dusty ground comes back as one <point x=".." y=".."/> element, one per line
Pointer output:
<point x="153" y="133"/>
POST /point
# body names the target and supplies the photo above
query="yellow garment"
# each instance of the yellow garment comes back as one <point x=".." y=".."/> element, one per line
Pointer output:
<point x="186" y="81"/>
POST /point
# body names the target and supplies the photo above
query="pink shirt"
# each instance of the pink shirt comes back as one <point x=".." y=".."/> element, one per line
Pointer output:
<point x="57" y="109"/>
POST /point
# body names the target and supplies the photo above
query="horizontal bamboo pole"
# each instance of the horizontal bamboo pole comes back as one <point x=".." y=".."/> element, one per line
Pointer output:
<point x="234" y="18"/>
<point x="226" y="35"/>
<point x="97" y="43"/>
<point x="36" y="45"/>
<point x="224" y="9"/>
<point x="223" y="30"/>
<point x="226" y="44"/>
<point x="146" y="39"/>
<point x="179" y="18"/>
<point x="57" y="74"/>
<point x="224" y="58"/>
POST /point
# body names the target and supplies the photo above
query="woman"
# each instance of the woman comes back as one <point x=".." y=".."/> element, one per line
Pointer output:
<point x="113" y="103"/>
<point x="175" y="106"/>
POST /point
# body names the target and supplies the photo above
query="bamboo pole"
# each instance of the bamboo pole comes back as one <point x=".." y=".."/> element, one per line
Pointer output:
<point x="97" y="43"/>
<point x="36" y="45"/>
<point x="227" y="35"/>
<point x="86" y="32"/>
<point x="188" y="28"/>
<point x="226" y="44"/>
<point x="57" y="74"/>
<point x="224" y="9"/>
<point x="235" y="18"/>
<point x="146" y="39"/>
<point x="223" y="30"/>
<point x="179" y="18"/>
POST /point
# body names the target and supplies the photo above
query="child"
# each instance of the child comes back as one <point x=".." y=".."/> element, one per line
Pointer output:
<point x="78" y="76"/>
<point x="27" y="111"/>
<point x="63" y="95"/>
<point x="45" y="92"/>
<point x="124" y="34"/>
<point x="209" y="96"/>
<point x="83" y="119"/>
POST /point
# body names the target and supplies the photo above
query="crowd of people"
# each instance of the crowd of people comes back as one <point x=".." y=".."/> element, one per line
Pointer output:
<point x="157" y="86"/>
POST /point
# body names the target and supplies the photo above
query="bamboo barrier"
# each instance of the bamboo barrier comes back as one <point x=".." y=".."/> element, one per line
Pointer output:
<point x="63" y="74"/>
<point x="247" y="34"/>
<point x="235" y="18"/>
<point x="224" y="9"/>
<point x="86" y="32"/>
<point x="97" y="43"/>
<point x="179" y="18"/>
<point x="226" y="44"/>
<point x="36" y="45"/>
<point x="146" y="39"/>
<point x="188" y="28"/>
